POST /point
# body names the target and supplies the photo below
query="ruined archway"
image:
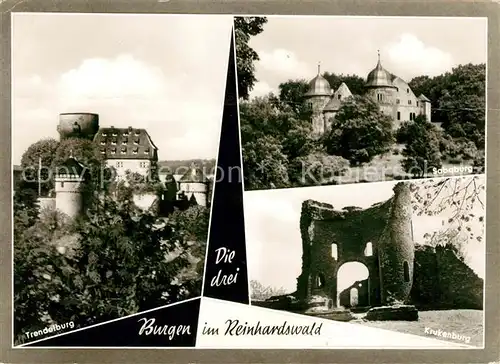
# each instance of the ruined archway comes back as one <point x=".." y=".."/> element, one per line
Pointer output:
<point x="353" y="285"/>
<point x="378" y="237"/>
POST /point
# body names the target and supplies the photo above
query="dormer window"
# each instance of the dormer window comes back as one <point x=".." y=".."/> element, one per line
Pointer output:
<point x="114" y="134"/>
<point x="146" y="151"/>
<point x="103" y="142"/>
<point x="103" y="151"/>
<point x="135" y="150"/>
<point x="137" y="132"/>
<point x="136" y="141"/>
<point x="124" y="150"/>
<point x="125" y="141"/>
<point x="104" y="134"/>
<point x="113" y="150"/>
<point x="113" y="142"/>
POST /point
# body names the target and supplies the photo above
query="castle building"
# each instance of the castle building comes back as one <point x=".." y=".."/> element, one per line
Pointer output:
<point x="69" y="187"/>
<point x="380" y="237"/>
<point x="195" y="185"/>
<point x="393" y="95"/>
<point x="125" y="150"/>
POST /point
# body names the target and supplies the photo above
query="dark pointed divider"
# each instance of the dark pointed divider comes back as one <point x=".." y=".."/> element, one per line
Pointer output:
<point x="226" y="275"/>
<point x="170" y="326"/>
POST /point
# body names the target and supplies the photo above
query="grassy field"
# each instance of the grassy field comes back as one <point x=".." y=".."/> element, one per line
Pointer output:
<point x="388" y="168"/>
<point x="462" y="322"/>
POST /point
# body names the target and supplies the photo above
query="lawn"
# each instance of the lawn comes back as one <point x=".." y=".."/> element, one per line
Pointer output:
<point x="388" y="167"/>
<point x="462" y="322"/>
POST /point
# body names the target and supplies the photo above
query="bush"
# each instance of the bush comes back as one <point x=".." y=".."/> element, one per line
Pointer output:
<point x="359" y="132"/>
<point x="317" y="169"/>
<point x="422" y="151"/>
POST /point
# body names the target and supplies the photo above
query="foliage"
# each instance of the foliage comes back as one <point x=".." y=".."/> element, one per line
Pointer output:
<point x="449" y="238"/>
<point x="422" y="149"/>
<point x="460" y="200"/>
<point x="117" y="265"/>
<point x="245" y="28"/>
<point x="458" y="99"/>
<point x="359" y="131"/>
<point x="460" y="149"/>
<point x="261" y="292"/>
<point x="355" y="83"/>
<point x="292" y="95"/>
<point x="277" y="144"/>
<point x="46" y="150"/>
<point x="317" y="169"/>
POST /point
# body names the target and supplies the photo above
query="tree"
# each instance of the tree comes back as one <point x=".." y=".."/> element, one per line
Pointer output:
<point x="260" y="292"/>
<point x="458" y="99"/>
<point x="459" y="200"/>
<point x="355" y="83"/>
<point x="422" y="149"/>
<point x="292" y="96"/>
<point x="46" y="150"/>
<point x="245" y="28"/>
<point x="317" y="168"/>
<point x="359" y="131"/>
<point x="449" y="237"/>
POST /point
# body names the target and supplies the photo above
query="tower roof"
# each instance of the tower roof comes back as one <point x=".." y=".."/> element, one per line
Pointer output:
<point x="193" y="175"/>
<point x="70" y="167"/>
<point x="319" y="86"/>
<point x="379" y="76"/>
<point x="333" y="105"/>
<point x="423" y="98"/>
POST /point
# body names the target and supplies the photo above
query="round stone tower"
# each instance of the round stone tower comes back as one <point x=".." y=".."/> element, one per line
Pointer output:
<point x="194" y="184"/>
<point x="381" y="89"/>
<point x="78" y="125"/>
<point x="69" y="181"/>
<point x="317" y="96"/>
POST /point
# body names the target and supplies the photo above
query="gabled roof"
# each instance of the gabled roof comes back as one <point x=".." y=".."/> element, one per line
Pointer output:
<point x="423" y="98"/>
<point x="70" y="167"/>
<point x="125" y="143"/>
<point x="194" y="174"/>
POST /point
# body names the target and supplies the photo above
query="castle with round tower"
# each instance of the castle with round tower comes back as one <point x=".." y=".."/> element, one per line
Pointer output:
<point x="380" y="237"/>
<point x="393" y="95"/>
<point x="125" y="150"/>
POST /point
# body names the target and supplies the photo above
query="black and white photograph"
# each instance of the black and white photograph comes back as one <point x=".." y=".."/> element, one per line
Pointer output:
<point x="116" y="120"/>
<point x="329" y="100"/>
<point x="404" y="256"/>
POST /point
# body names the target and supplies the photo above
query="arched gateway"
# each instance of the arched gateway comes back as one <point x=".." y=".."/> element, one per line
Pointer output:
<point x="380" y="237"/>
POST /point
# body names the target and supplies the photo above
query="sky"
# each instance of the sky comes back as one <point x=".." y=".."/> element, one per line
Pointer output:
<point x="272" y="225"/>
<point x="164" y="73"/>
<point x="291" y="48"/>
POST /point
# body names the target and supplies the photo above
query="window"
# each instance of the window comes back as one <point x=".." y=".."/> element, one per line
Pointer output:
<point x="334" y="251"/>
<point x="397" y="101"/>
<point x="397" y="89"/>
<point x="320" y="281"/>
<point x="340" y="96"/>
<point x="417" y="103"/>
<point x="119" y="164"/>
<point x="368" y="250"/>
<point x="62" y="184"/>
<point x="406" y="271"/>
<point x="143" y="164"/>
<point x="407" y="90"/>
<point x="409" y="102"/>
<point x="399" y="115"/>
<point x="310" y="104"/>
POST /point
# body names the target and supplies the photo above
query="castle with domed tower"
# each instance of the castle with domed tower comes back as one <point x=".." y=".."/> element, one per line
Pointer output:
<point x="393" y="95"/>
<point x="126" y="150"/>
